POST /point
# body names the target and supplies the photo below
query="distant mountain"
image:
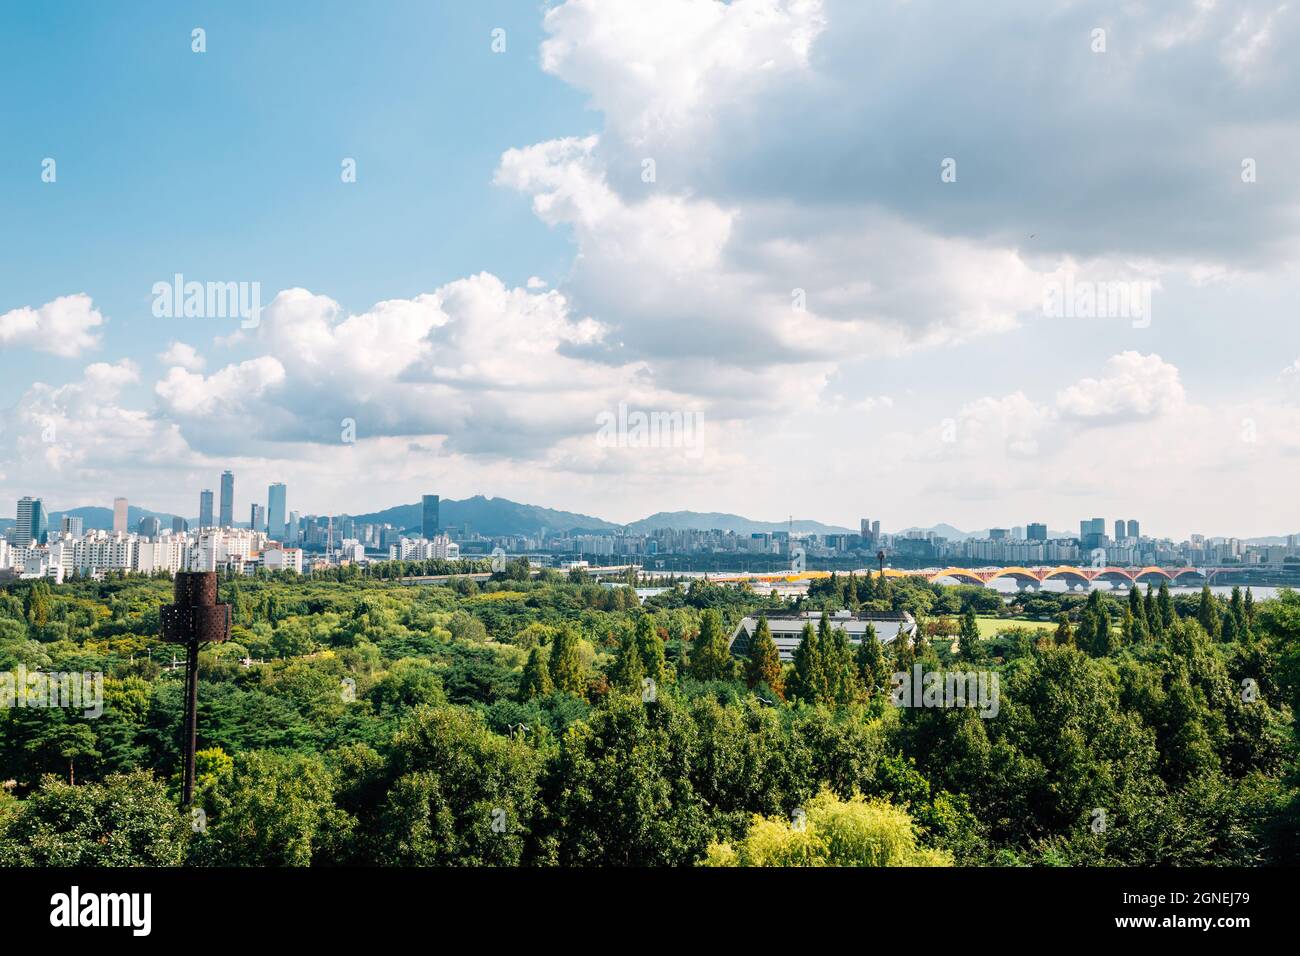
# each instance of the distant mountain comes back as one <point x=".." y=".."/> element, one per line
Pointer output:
<point x="945" y="531"/>
<point x="714" y="520"/>
<point x="101" y="519"/>
<point x="490" y="516"/>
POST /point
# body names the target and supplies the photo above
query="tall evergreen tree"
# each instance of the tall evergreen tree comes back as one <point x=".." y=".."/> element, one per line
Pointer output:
<point x="873" y="672"/>
<point x="711" y="659"/>
<point x="628" y="670"/>
<point x="968" y="640"/>
<point x="565" y="662"/>
<point x="536" y="679"/>
<point x="809" y="681"/>
<point x="1064" y="635"/>
<point x="1207" y="613"/>
<point x="764" y="666"/>
<point x="1155" y="626"/>
<point x="842" y="671"/>
<point x="1166" y="605"/>
<point x="1138" y="630"/>
<point x="651" y="648"/>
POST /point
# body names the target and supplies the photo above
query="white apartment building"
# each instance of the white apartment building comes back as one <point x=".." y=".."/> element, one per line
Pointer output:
<point x="424" y="549"/>
<point x="282" y="559"/>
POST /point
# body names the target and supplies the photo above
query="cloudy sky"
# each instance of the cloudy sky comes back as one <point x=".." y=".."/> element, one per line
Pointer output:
<point x="830" y="230"/>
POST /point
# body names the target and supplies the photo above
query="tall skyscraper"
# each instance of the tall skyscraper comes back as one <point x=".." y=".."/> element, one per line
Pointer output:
<point x="180" y="525"/>
<point x="71" y="524"/>
<point x="227" y="517"/>
<point x="149" y="527"/>
<point x="31" y="523"/>
<point x="429" y="525"/>
<point x="257" y="517"/>
<point x="1092" y="533"/>
<point x="1035" y="531"/>
<point x="1120" y="531"/>
<point x="276" y="498"/>
<point x="120" y="512"/>
<point x="205" y="508"/>
<point x="1133" y="529"/>
<point x="293" y="533"/>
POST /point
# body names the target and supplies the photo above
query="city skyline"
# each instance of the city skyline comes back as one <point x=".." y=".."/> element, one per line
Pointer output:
<point x="276" y="493"/>
<point x="1078" y="306"/>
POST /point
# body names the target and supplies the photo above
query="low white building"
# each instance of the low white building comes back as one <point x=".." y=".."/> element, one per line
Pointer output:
<point x="787" y="628"/>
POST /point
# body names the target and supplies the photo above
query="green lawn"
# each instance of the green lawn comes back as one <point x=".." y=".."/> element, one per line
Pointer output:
<point x="991" y="626"/>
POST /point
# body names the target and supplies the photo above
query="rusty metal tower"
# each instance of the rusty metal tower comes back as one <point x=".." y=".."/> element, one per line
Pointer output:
<point x="196" y="618"/>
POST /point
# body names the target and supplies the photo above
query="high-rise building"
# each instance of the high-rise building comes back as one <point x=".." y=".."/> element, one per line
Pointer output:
<point x="227" y="516"/>
<point x="1120" y="531"/>
<point x="120" y="512"/>
<point x="1092" y="533"/>
<point x="31" y="523"/>
<point x="429" y="525"/>
<point x="205" y="508"/>
<point x="293" y="532"/>
<point x="1133" y="529"/>
<point x="1036" y="531"/>
<point x="276" y="497"/>
<point x="149" y="527"/>
<point x="875" y="530"/>
<point x="73" y="525"/>
<point x="256" y="517"/>
<point x="997" y="534"/>
<point x="180" y="525"/>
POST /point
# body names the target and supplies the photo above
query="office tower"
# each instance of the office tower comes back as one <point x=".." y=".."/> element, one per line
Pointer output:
<point x="1133" y="529"/>
<point x="875" y="529"/>
<point x="866" y="528"/>
<point x="1036" y="531"/>
<point x="276" y="497"/>
<point x="31" y="523"/>
<point x="1120" y="532"/>
<point x="997" y="534"/>
<point x="149" y="527"/>
<point x="227" y="516"/>
<point x="1092" y="533"/>
<point x="205" y="508"/>
<point x="256" y="517"/>
<point x="179" y="525"/>
<point x="429" y="525"/>
<point x="293" y="531"/>
<point x="119" y="515"/>
<point x="72" y="525"/>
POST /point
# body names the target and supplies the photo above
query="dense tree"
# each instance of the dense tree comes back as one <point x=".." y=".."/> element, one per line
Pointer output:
<point x="127" y="820"/>
<point x="711" y="659"/>
<point x="1207" y="613"/>
<point x="831" y="832"/>
<point x="565" y="662"/>
<point x="536" y="679"/>
<point x="764" y="666"/>
<point x="968" y="641"/>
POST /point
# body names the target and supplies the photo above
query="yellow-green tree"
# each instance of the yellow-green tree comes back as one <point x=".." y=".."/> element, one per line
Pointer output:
<point x="830" y="832"/>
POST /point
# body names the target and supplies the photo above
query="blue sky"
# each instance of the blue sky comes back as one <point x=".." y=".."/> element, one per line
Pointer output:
<point x="227" y="163"/>
<point x="503" y="272"/>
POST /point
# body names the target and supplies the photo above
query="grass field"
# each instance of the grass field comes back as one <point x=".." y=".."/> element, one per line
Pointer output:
<point x="991" y="626"/>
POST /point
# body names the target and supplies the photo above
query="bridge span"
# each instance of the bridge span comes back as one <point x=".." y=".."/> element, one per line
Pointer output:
<point x="1026" y="578"/>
